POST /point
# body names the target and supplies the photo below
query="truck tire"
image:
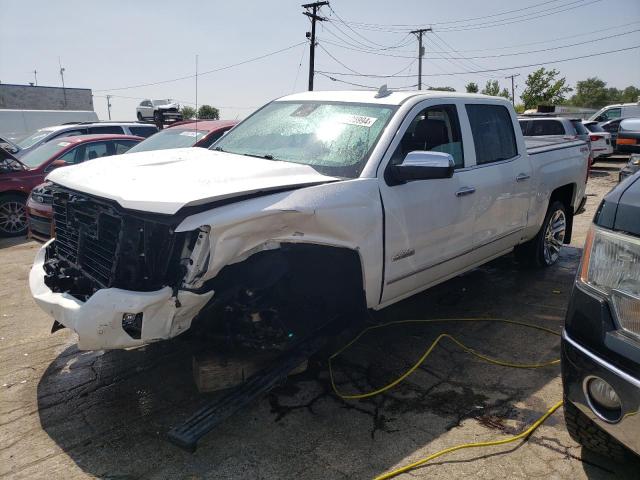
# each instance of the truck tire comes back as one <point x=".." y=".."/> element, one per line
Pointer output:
<point x="13" y="215"/>
<point x="584" y="431"/>
<point x="544" y="249"/>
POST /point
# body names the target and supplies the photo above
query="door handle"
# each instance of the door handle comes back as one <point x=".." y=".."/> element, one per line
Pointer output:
<point x="522" y="177"/>
<point x="465" y="191"/>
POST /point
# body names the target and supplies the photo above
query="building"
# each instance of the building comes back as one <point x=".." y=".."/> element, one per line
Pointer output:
<point x="28" y="97"/>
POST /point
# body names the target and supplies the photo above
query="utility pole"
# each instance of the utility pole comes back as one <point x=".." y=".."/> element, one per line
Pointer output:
<point x="513" y="87"/>
<point x="313" y="15"/>
<point x="109" y="105"/>
<point x="419" y="33"/>
<point x="35" y="74"/>
<point x="64" y="91"/>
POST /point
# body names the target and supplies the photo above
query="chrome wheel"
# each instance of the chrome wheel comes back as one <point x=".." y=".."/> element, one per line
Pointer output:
<point x="13" y="218"/>
<point x="554" y="236"/>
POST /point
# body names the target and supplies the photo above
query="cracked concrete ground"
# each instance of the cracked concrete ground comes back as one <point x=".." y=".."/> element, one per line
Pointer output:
<point x="77" y="415"/>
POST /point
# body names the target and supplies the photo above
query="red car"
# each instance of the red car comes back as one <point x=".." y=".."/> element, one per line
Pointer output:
<point x="186" y="134"/>
<point x="19" y="177"/>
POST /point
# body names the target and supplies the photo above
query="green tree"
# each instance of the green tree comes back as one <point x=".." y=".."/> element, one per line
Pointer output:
<point x="443" y="89"/>
<point x="592" y="93"/>
<point x="544" y="87"/>
<point x="630" y="94"/>
<point x="207" y="112"/>
<point x="505" y="93"/>
<point x="492" y="88"/>
<point x="187" y="112"/>
<point x="472" y="87"/>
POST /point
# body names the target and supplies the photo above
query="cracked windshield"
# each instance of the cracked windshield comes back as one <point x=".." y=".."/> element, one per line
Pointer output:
<point x="335" y="139"/>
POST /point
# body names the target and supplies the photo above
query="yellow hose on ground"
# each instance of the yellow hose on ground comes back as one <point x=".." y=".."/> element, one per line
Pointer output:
<point x="515" y="438"/>
<point x="421" y="360"/>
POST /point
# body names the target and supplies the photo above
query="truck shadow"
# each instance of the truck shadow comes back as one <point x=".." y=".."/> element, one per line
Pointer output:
<point x="110" y="411"/>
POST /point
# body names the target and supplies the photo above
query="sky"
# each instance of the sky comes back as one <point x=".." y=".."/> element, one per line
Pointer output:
<point x="109" y="45"/>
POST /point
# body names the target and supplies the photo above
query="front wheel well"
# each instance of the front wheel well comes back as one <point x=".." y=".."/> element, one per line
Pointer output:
<point x="565" y="194"/>
<point x="279" y="296"/>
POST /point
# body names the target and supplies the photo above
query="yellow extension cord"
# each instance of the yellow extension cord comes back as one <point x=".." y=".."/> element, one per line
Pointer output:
<point x="421" y="360"/>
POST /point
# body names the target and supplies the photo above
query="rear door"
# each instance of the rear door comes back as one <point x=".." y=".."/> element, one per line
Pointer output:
<point x="501" y="178"/>
<point x="428" y="224"/>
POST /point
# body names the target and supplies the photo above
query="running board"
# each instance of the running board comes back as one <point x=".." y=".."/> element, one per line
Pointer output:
<point x="208" y="417"/>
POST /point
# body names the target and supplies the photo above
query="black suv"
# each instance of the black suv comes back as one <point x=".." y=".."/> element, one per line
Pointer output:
<point x="601" y="338"/>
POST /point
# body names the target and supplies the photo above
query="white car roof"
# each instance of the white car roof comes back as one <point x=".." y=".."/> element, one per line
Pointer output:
<point x="369" y="96"/>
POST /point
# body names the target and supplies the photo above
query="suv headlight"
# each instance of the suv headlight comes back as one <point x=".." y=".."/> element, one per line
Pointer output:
<point x="611" y="266"/>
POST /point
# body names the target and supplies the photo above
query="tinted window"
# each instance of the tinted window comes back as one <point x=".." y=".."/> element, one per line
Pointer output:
<point x="435" y="129"/>
<point x="523" y="126"/>
<point x="71" y="156"/>
<point x="493" y="135"/>
<point x="107" y="129"/>
<point x="545" y="127"/>
<point x="206" y="143"/>
<point x="122" y="146"/>
<point x="594" y="127"/>
<point x="611" y="127"/>
<point x="612" y="113"/>
<point x="143" y="131"/>
<point x="71" y="133"/>
<point x="580" y="128"/>
<point x="96" y="150"/>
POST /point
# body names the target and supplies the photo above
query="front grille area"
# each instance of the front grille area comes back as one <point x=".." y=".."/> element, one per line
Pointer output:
<point x="87" y="234"/>
<point x="100" y="245"/>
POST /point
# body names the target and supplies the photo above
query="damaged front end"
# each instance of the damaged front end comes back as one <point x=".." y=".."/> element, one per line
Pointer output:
<point x="115" y="276"/>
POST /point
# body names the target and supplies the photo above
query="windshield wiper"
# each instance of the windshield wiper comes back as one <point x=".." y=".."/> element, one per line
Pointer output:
<point x="266" y="157"/>
<point x="218" y="149"/>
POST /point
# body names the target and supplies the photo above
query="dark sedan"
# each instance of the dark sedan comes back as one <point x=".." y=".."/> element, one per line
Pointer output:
<point x="601" y="338"/>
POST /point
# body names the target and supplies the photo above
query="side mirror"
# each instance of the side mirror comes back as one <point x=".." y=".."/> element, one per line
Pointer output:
<point x="421" y="165"/>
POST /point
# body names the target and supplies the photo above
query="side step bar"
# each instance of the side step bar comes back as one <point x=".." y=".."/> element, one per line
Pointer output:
<point x="186" y="436"/>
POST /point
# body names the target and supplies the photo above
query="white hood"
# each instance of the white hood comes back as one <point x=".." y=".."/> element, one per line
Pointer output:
<point x="164" y="181"/>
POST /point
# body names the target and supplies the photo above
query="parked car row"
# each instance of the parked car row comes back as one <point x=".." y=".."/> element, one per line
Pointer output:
<point x="25" y="201"/>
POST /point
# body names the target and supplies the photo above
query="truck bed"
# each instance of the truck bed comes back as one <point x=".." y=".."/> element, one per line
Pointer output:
<point x="536" y="145"/>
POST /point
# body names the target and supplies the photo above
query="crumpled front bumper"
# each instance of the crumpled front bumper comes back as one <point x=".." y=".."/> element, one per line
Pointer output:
<point x="98" y="321"/>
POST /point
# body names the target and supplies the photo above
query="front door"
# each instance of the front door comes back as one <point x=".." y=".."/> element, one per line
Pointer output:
<point x="428" y="223"/>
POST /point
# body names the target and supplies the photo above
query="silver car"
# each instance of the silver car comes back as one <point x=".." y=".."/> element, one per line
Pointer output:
<point x="44" y="135"/>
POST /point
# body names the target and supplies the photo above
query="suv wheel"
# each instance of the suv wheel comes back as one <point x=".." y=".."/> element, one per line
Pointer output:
<point x="13" y="216"/>
<point x="544" y="249"/>
<point x="139" y="115"/>
<point x="584" y="431"/>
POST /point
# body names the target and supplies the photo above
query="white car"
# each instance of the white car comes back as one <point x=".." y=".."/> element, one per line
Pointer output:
<point x="152" y="109"/>
<point x="314" y="208"/>
<point x="600" y="139"/>
<point x="621" y="110"/>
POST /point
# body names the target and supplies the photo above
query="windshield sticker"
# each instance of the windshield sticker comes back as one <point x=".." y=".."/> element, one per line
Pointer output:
<point x="305" y="110"/>
<point x="189" y="134"/>
<point x="63" y="144"/>
<point x="358" y="120"/>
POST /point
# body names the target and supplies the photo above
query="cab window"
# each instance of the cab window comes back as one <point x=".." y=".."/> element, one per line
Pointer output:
<point x="493" y="135"/>
<point x="611" y="114"/>
<point x="435" y="129"/>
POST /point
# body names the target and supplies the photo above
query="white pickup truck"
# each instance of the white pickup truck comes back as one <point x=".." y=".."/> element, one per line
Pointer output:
<point x="318" y="205"/>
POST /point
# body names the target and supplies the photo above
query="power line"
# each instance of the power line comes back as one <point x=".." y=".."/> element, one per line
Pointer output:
<point x="512" y="54"/>
<point x="361" y="85"/>
<point x="461" y="20"/>
<point x="226" y="67"/>
<point x="442" y="51"/>
<point x="550" y="62"/>
<point x="497" y="23"/>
